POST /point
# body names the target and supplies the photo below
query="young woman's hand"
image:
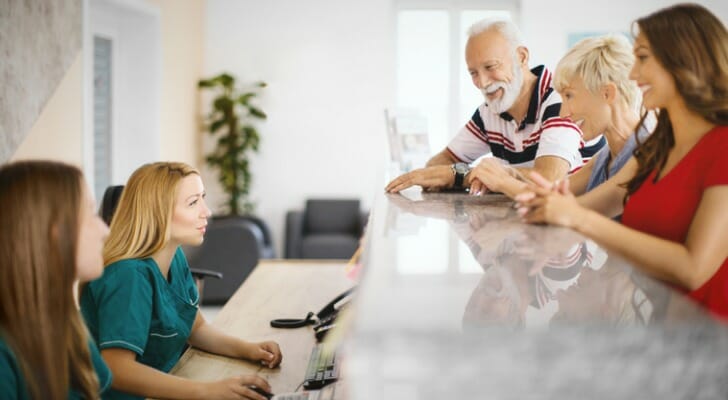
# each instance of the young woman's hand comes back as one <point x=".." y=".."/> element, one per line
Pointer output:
<point x="238" y="387"/>
<point x="268" y="353"/>
<point x="554" y="205"/>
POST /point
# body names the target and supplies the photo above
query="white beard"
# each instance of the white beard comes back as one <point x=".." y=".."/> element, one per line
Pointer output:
<point x="510" y="92"/>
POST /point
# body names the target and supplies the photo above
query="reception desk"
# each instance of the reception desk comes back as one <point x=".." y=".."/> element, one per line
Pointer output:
<point x="275" y="289"/>
<point x="459" y="299"/>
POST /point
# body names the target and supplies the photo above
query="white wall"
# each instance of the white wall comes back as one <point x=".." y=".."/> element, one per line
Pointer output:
<point x="547" y="24"/>
<point x="330" y="69"/>
<point x="182" y="33"/>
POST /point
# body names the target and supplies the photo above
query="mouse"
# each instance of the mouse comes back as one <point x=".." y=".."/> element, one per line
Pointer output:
<point x="261" y="392"/>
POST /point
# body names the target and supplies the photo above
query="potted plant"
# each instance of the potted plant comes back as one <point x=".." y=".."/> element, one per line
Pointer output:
<point x="230" y="121"/>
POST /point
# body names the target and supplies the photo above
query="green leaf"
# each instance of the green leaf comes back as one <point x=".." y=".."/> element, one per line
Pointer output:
<point x="226" y="80"/>
<point x="222" y="103"/>
<point x="217" y="124"/>
<point x="245" y="97"/>
<point x="257" y="112"/>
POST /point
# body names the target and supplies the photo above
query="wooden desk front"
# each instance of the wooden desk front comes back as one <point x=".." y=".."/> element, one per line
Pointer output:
<point x="275" y="289"/>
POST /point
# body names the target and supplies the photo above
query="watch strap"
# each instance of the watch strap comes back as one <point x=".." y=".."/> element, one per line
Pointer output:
<point x="459" y="177"/>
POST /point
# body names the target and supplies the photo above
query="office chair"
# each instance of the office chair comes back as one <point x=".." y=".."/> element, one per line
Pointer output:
<point x="325" y="229"/>
<point x="232" y="245"/>
<point x="106" y="212"/>
<point x="267" y="250"/>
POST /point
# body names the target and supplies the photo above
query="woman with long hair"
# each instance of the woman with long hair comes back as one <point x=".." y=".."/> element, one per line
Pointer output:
<point x="673" y="193"/>
<point x="144" y="310"/>
<point x="52" y="239"/>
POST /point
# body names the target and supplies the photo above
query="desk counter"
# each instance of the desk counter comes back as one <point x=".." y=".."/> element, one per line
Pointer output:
<point x="459" y="299"/>
<point x="275" y="289"/>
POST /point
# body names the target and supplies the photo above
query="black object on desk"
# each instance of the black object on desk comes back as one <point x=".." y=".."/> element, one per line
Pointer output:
<point x="261" y="392"/>
<point x="324" y="320"/>
<point x="323" y="367"/>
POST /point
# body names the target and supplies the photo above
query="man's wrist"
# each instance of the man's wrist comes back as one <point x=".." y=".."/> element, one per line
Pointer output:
<point x="460" y="171"/>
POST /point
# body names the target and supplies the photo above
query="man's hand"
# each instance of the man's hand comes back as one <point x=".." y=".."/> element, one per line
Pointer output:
<point x="489" y="174"/>
<point x="430" y="178"/>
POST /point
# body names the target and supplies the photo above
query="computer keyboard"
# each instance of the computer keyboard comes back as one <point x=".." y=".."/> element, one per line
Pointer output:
<point x="326" y="393"/>
<point x="323" y="367"/>
<point x="298" y="396"/>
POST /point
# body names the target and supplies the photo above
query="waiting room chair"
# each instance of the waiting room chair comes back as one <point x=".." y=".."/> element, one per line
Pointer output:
<point x="325" y="229"/>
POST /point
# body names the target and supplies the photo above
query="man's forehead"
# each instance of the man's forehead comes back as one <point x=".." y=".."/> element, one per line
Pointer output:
<point x="489" y="43"/>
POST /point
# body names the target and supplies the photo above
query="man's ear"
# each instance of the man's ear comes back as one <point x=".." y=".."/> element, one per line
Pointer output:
<point x="609" y="92"/>
<point x="522" y="53"/>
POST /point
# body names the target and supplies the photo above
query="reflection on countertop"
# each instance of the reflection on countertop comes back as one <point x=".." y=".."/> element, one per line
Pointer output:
<point x="460" y="299"/>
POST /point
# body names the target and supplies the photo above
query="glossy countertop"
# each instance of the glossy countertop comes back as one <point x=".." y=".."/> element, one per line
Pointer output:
<point x="460" y="299"/>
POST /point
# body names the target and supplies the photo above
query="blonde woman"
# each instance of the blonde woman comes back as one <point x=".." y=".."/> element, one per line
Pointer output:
<point x="598" y="96"/>
<point x="51" y="239"/>
<point x="145" y="308"/>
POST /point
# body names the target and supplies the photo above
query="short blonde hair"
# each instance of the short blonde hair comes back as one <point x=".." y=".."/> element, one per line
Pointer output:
<point x="599" y="61"/>
<point x="141" y="223"/>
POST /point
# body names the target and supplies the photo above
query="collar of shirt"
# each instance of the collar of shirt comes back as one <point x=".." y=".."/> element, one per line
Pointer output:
<point x="543" y="84"/>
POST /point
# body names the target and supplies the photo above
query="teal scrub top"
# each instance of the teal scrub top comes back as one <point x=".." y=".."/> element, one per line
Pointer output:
<point x="14" y="387"/>
<point x="132" y="306"/>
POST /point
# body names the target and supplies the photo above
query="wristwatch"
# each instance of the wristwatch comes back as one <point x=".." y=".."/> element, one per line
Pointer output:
<point x="460" y="170"/>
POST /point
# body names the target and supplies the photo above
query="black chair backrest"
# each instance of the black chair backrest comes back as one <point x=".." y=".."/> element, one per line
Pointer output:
<point x="332" y="216"/>
<point x="109" y="202"/>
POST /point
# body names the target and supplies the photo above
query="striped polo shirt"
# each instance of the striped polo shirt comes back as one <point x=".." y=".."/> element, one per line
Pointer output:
<point x="542" y="132"/>
<point x="558" y="273"/>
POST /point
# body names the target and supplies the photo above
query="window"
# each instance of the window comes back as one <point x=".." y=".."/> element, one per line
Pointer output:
<point x="432" y="77"/>
<point x="431" y="71"/>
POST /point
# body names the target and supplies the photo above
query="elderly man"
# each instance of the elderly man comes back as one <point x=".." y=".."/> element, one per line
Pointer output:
<point x="518" y="123"/>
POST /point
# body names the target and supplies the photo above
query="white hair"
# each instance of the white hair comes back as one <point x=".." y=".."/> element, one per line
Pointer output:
<point x="505" y="27"/>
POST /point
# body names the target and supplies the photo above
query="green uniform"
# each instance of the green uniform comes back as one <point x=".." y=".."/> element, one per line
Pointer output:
<point x="14" y="387"/>
<point x="132" y="306"/>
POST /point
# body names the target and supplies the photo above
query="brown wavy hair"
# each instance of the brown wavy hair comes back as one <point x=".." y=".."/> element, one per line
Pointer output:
<point x="40" y="206"/>
<point x="141" y="223"/>
<point x="692" y="45"/>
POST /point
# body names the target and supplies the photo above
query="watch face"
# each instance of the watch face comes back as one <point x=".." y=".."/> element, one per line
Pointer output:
<point x="462" y="168"/>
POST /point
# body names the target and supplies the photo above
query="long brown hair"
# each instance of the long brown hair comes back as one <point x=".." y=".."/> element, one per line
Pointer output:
<point x="141" y="224"/>
<point x="692" y="45"/>
<point x="40" y="205"/>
